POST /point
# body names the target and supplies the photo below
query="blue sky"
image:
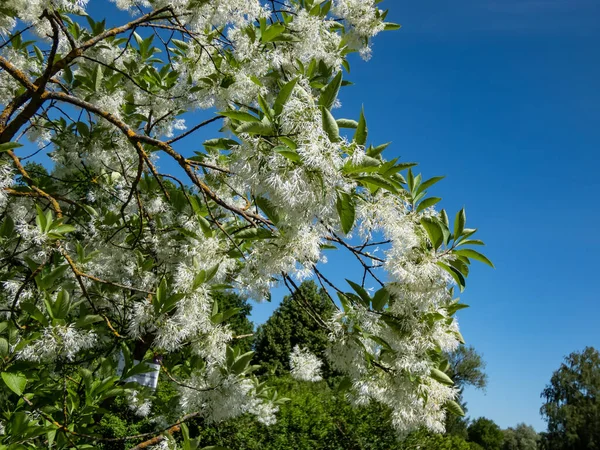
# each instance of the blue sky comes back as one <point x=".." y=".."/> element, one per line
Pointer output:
<point x="502" y="97"/>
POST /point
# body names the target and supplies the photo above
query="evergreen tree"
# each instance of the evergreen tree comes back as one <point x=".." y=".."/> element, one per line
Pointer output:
<point x="293" y="324"/>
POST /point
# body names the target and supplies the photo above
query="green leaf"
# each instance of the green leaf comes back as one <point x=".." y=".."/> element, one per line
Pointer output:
<point x="378" y="181"/>
<point x="284" y="95"/>
<point x="241" y="363"/>
<point x="459" y="223"/>
<point x="347" y="123"/>
<point x="240" y="115"/>
<point x="360" y="136"/>
<point x="330" y="125"/>
<point x="367" y="164"/>
<point x="289" y="142"/>
<point x="330" y="92"/>
<point x="3" y="347"/>
<point x="434" y="231"/>
<point x="97" y="80"/>
<point x="427" y="203"/>
<point x="161" y="295"/>
<point x="346" y="211"/>
<point x="454" y="307"/>
<point x="16" y="382"/>
<point x="441" y="377"/>
<point x="170" y="303"/>
<point x="454" y="273"/>
<point x="289" y="154"/>
<point x="40" y="218"/>
<point x="427" y="184"/>
<point x="469" y="253"/>
<point x="361" y="291"/>
<point x="62" y="305"/>
<point x="220" y="143"/>
<point x="8" y="227"/>
<point x="454" y="408"/>
<point x="471" y="242"/>
<point x="268" y="209"/>
<point x="88" y="320"/>
<point x="9" y="146"/>
<point x="253" y="233"/>
<point x="444" y="218"/>
<point x="48" y="280"/>
<point x="389" y="26"/>
<point x="139" y="368"/>
<point x="376" y="151"/>
<point x="83" y="129"/>
<point x="272" y="31"/>
<point x="262" y="128"/>
<point x="380" y="299"/>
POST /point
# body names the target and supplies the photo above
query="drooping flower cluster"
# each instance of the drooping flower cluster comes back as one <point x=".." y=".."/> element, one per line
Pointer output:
<point x="58" y="342"/>
<point x="141" y="226"/>
<point x="304" y="365"/>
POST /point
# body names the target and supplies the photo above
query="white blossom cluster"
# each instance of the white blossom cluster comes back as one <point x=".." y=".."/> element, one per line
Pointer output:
<point x="6" y="179"/>
<point x="221" y="398"/>
<point x="58" y="342"/>
<point x="304" y="365"/>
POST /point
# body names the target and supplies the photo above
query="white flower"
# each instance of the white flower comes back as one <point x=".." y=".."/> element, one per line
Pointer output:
<point x="59" y="341"/>
<point x="6" y="180"/>
<point x="304" y="365"/>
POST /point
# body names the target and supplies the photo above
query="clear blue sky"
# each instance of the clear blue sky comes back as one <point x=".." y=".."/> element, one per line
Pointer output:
<point x="502" y="97"/>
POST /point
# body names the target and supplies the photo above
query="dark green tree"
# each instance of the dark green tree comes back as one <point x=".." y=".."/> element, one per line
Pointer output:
<point x="572" y="403"/>
<point x="466" y="368"/>
<point x="523" y="437"/>
<point x="293" y="324"/>
<point x="486" y="433"/>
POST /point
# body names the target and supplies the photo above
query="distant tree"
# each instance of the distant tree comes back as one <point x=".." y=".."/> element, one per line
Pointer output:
<point x="486" y="433"/>
<point x="523" y="437"/>
<point x="425" y="440"/>
<point x="572" y="403"/>
<point x="466" y="368"/>
<point x="293" y="324"/>
<point x="315" y="417"/>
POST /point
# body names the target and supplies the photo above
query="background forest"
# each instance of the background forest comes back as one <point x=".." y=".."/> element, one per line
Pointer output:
<point x="318" y="415"/>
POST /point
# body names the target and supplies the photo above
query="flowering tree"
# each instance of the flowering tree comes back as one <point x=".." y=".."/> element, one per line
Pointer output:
<point x="111" y="258"/>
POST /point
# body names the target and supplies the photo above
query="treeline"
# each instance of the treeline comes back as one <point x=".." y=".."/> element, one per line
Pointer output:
<point x="318" y="415"/>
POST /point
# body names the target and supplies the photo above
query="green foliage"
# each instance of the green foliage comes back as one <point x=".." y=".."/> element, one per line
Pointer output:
<point x="572" y="403"/>
<point x="486" y="433"/>
<point x="466" y="368"/>
<point x="315" y="417"/>
<point x="425" y="440"/>
<point x="523" y="437"/>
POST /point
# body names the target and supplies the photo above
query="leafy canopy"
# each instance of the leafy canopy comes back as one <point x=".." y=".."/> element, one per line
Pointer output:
<point x="113" y="256"/>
